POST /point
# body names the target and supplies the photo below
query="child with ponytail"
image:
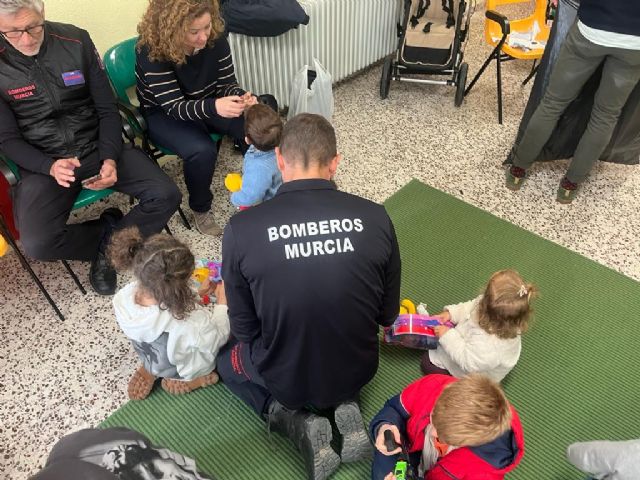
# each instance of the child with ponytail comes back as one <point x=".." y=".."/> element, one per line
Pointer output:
<point x="487" y="335"/>
<point x="176" y="338"/>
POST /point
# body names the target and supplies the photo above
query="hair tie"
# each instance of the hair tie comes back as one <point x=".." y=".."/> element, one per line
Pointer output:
<point x="523" y="291"/>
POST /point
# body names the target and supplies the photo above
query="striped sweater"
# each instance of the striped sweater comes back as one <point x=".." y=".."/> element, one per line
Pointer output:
<point x="187" y="92"/>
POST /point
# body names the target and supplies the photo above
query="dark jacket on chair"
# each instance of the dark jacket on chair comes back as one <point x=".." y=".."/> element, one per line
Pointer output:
<point x="262" y="18"/>
<point x="58" y="103"/>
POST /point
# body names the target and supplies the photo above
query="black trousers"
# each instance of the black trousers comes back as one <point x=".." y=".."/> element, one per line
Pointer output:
<point x="239" y="374"/>
<point x="42" y="207"/>
<point x="191" y="141"/>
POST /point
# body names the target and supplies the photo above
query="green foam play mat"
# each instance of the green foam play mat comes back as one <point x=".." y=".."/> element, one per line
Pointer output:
<point x="577" y="379"/>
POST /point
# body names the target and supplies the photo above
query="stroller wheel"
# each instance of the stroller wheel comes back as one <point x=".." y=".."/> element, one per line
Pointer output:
<point x="461" y="83"/>
<point x="385" y="80"/>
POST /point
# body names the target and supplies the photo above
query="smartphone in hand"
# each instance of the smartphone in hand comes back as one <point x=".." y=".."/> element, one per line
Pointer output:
<point x="90" y="180"/>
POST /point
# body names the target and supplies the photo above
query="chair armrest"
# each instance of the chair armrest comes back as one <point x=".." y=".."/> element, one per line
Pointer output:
<point x="500" y="20"/>
<point x="127" y="131"/>
<point x="133" y="116"/>
<point x="7" y="172"/>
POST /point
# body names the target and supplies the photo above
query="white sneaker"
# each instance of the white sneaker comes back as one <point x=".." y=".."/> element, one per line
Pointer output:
<point x="206" y="224"/>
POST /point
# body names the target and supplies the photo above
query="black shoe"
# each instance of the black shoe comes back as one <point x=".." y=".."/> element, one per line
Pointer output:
<point x="111" y="216"/>
<point x="356" y="444"/>
<point x="311" y="434"/>
<point x="102" y="276"/>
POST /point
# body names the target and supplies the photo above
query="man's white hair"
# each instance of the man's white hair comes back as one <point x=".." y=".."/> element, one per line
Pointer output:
<point x="10" y="7"/>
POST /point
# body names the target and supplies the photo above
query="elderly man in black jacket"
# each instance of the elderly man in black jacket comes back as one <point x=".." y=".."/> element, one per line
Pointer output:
<point x="59" y="122"/>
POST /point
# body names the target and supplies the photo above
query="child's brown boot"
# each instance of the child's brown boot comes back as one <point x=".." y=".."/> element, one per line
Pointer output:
<point x="179" y="387"/>
<point x="140" y="384"/>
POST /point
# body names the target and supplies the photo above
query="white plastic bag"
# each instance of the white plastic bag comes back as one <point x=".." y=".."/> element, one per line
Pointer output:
<point x="316" y="99"/>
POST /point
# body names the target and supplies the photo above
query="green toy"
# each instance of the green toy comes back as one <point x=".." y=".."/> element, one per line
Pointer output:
<point x="400" y="470"/>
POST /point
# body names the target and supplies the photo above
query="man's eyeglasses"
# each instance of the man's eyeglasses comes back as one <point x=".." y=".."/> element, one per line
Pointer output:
<point x="16" y="34"/>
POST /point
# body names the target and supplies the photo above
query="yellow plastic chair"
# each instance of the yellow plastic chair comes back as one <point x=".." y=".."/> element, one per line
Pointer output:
<point x="497" y="29"/>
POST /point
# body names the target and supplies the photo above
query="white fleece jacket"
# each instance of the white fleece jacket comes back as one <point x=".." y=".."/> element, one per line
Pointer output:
<point x="607" y="460"/>
<point x="469" y="349"/>
<point x="193" y="343"/>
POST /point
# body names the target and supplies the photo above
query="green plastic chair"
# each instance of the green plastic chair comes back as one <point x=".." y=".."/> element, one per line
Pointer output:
<point x="85" y="197"/>
<point x="11" y="173"/>
<point x="119" y="62"/>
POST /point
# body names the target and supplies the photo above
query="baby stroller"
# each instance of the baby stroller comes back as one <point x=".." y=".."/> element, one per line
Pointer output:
<point x="432" y="36"/>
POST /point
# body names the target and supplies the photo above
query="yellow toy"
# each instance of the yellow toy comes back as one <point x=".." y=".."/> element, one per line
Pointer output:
<point x="407" y="306"/>
<point x="201" y="274"/>
<point x="4" y="246"/>
<point x="233" y="182"/>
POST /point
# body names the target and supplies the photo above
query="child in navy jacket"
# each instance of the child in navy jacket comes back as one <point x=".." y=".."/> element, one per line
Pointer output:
<point x="451" y="428"/>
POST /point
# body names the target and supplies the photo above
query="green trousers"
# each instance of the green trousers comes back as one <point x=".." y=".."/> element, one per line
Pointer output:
<point x="577" y="61"/>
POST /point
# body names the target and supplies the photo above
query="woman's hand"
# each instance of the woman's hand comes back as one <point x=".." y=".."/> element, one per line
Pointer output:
<point x="249" y="100"/>
<point x="230" y="107"/>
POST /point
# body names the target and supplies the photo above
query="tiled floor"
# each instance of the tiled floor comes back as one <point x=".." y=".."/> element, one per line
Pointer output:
<point x="58" y="377"/>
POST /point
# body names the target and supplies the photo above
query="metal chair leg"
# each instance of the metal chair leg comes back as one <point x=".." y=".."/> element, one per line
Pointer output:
<point x="534" y="70"/>
<point x="184" y="218"/>
<point x="25" y="264"/>
<point x="494" y="54"/>
<point x="74" y="276"/>
<point x="499" y="78"/>
<point x="166" y="228"/>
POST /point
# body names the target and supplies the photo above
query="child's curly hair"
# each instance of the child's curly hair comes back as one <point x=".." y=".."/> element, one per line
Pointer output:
<point x="165" y="23"/>
<point x="505" y="308"/>
<point x="161" y="264"/>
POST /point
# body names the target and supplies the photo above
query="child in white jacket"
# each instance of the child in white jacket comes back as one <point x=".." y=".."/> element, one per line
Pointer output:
<point x="176" y="338"/>
<point x="486" y="338"/>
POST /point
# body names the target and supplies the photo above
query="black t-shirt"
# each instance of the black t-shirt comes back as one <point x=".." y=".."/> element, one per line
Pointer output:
<point x="309" y="276"/>
<point x="618" y="16"/>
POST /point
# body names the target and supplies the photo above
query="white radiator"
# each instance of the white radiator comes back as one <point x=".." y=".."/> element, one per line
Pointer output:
<point x="344" y="35"/>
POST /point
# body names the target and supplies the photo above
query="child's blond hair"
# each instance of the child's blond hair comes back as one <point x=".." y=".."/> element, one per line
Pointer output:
<point x="505" y="308"/>
<point x="471" y="411"/>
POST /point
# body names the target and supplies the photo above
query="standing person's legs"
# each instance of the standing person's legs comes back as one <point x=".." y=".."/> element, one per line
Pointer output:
<point x="577" y="61"/>
<point x="190" y="140"/>
<point x="620" y="75"/>
<point x="158" y="195"/>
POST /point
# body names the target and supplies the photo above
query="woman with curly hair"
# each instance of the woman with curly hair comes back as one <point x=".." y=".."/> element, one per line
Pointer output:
<point x="187" y="89"/>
